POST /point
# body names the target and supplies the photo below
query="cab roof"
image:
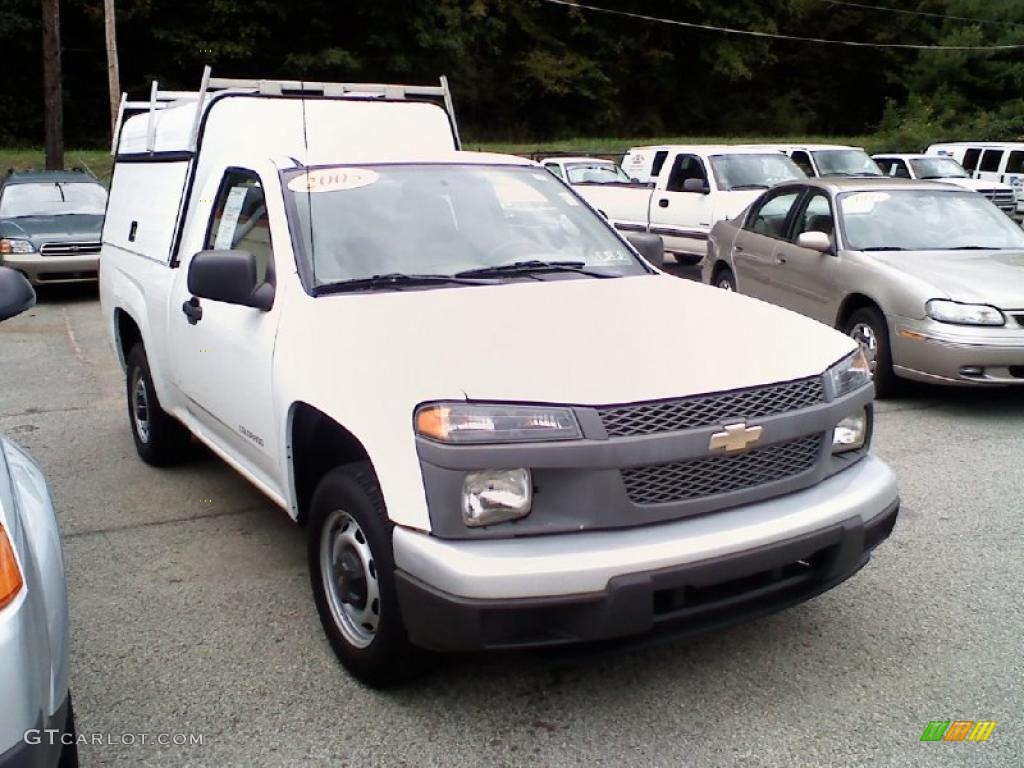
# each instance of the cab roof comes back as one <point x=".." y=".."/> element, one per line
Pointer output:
<point x="711" y="149"/>
<point x="837" y="184"/>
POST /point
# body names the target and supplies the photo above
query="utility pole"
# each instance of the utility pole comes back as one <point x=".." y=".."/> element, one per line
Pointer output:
<point x="113" y="73"/>
<point x="53" y="101"/>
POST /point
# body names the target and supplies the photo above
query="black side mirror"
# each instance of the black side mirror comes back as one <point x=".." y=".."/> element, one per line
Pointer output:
<point x="651" y="247"/>
<point x="16" y="293"/>
<point x="229" y="276"/>
<point x="696" y="185"/>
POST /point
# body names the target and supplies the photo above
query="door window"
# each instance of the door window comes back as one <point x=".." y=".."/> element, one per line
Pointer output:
<point x="1015" y="163"/>
<point x="770" y="216"/>
<point x="685" y="167"/>
<point x="803" y="162"/>
<point x="971" y="159"/>
<point x="816" y="216"/>
<point x="990" y="160"/>
<point x="898" y="169"/>
<point x="240" y="221"/>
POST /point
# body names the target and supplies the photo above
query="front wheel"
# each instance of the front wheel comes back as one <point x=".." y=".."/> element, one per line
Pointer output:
<point x="868" y="328"/>
<point x="160" y="439"/>
<point x="352" y="571"/>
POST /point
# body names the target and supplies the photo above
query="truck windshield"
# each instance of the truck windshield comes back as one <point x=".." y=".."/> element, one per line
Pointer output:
<point x="846" y="162"/>
<point x="752" y="171"/>
<point x="925" y="220"/>
<point x="595" y="173"/>
<point x="938" y="168"/>
<point x="443" y="220"/>
<point x="53" y="198"/>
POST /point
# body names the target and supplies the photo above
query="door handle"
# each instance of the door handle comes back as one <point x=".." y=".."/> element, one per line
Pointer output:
<point x="192" y="310"/>
<point x="739" y="248"/>
<point x="780" y="259"/>
<point x="663" y="203"/>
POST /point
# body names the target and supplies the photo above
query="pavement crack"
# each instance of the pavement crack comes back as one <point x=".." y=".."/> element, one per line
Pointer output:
<point x="158" y="523"/>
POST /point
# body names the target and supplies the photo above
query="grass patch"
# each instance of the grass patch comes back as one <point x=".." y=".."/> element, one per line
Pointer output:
<point x="612" y="145"/>
<point x="97" y="161"/>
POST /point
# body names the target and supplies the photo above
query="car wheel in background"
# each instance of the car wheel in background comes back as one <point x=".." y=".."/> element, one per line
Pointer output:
<point x="724" y="279"/>
<point x="687" y="259"/>
<point x="352" y="571"/>
<point x="69" y="752"/>
<point x="160" y="439"/>
<point x="868" y="328"/>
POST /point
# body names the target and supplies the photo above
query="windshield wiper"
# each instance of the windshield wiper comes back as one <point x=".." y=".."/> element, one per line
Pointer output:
<point x="393" y="280"/>
<point x="883" y="248"/>
<point x="531" y="267"/>
<point x="973" y="248"/>
<point x="749" y="186"/>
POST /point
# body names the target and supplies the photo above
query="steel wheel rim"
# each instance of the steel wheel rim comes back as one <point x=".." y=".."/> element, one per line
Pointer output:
<point x="349" y="577"/>
<point x="865" y="335"/>
<point x="140" y="407"/>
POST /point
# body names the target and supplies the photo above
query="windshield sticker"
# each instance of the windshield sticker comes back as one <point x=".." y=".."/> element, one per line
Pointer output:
<point x="333" y="180"/>
<point x="863" y="202"/>
<point x="610" y="257"/>
<point x="229" y="219"/>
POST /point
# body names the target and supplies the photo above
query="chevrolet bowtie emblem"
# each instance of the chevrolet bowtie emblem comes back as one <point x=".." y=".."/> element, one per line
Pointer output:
<point x="735" y="439"/>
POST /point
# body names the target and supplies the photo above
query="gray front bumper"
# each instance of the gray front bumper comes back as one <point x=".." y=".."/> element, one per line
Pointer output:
<point x="585" y="562"/>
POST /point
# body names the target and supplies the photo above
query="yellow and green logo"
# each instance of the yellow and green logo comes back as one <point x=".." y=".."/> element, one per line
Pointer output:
<point x="958" y="730"/>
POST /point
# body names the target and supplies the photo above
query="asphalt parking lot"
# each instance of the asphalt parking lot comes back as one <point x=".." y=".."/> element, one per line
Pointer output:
<point x="191" y="613"/>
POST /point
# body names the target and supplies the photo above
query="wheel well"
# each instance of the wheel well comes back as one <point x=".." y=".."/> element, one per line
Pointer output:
<point x="317" y="444"/>
<point x="851" y="304"/>
<point x="719" y="268"/>
<point x="128" y="333"/>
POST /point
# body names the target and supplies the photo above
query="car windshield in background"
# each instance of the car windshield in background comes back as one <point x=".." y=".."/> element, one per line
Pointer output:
<point x="53" y="199"/>
<point x="441" y="220"/>
<point x="938" y="168"/>
<point x="751" y="171"/>
<point x="595" y="173"/>
<point x="846" y="162"/>
<point x="925" y="220"/>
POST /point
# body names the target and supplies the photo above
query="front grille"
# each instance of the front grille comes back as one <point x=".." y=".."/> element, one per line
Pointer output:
<point x="707" y="410"/>
<point x="1019" y="319"/>
<point x="712" y="475"/>
<point x="1004" y="200"/>
<point x="70" y="249"/>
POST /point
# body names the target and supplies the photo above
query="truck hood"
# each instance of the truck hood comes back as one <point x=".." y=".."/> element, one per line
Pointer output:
<point x="731" y="204"/>
<point x="50" y="229"/>
<point x="982" y="277"/>
<point x="586" y="341"/>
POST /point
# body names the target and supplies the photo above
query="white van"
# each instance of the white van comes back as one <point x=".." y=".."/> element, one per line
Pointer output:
<point x="383" y="334"/>
<point x="999" y="161"/>
<point x="948" y="170"/>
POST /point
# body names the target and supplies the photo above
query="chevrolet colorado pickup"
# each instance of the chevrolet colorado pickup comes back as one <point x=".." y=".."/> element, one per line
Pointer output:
<point x="443" y="364"/>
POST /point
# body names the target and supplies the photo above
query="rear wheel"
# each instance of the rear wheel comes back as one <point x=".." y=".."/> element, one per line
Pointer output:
<point x="160" y="439"/>
<point x="724" y="279"/>
<point x="352" y="571"/>
<point x="868" y="328"/>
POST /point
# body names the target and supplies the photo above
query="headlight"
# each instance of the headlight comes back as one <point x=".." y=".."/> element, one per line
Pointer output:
<point x="851" y="433"/>
<point x="849" y="374"/>
<point x="9" y="246"/>
<point x="10" y="574"/>
<point x="946" y="311"/>
<point x="496" y="496"/>
<point x="484" y="423"/>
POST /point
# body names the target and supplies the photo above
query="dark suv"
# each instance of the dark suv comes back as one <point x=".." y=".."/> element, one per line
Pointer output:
<point x="50" y="224"/>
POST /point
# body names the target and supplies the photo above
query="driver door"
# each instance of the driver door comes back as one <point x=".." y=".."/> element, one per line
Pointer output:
<point x="223" y="361"/>
<point x="683" y="219"/>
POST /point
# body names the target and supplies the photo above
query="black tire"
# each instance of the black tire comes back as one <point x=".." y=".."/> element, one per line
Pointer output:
<point x="382" y="656"/>
<point x="724" y="279"/>
<point x="69" y="752"/>
<point x="163" y="440"/>
<point x="886" y="382"/>
<point x="687" y="259"/>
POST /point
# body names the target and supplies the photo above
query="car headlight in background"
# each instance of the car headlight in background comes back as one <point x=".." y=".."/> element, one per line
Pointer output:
<point x="472" y="423"/>
<point x="11" y="581"/>
<point x="946" y="311"/>
<point x="851" y="433"/>
<point x="496" y="496"/>
<point x="10" y="246"/>
<point x="849" y="373"/>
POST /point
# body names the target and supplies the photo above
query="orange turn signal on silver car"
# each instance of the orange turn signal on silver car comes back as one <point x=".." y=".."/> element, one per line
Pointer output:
<point x="11" y="581"/>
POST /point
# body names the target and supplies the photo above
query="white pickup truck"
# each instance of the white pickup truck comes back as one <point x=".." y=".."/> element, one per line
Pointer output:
<point x="694" y="188"/>
<point x="383" y="334"/>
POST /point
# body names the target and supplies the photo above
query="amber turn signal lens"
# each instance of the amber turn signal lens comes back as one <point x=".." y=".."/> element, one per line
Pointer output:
<point x="432" y="422"/>
<point x="10" y="575"/>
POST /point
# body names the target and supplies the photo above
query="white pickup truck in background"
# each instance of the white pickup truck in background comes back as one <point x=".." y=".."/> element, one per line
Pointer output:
<point x="694" y="188"/>
<point x="586" y="170"/>
<point x="382" y="333"/>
